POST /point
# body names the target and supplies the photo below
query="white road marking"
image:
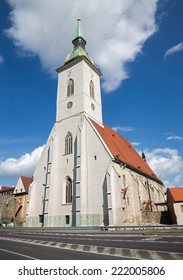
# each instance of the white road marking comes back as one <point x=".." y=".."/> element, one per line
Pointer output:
<point x="150" y="239"/>
<point x="15" y="253"/>
<point x="95" y="249"/>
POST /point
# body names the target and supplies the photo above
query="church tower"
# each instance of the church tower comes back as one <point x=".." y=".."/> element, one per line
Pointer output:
<point x="88" y="174"/>
<point x="78" y="83"/>
<point x="59" y="192"/>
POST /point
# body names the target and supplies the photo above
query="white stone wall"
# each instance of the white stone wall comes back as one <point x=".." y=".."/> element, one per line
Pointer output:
<point x="88" y="75"/>
<point x="94" y="164"/>
<point x="62" y="166"/>
<point x="86" y="166"/>
<point x="81" y="73"/>
<point x="37" y="187"/>
<point x="178" y="209"/>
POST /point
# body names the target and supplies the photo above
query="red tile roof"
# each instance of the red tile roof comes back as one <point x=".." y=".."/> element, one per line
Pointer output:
<point x="26" y="182"/>
<point x="6" y="189"/>
<point x="177" y="194"/>
<point x="123" y="151"/>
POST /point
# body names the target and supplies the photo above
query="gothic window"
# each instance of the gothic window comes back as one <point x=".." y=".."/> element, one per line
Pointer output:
<point x="92" y="89"/>
<point x="68" y="191"/>
<point x="70" y="87"/>
<point x="68" y="144"/>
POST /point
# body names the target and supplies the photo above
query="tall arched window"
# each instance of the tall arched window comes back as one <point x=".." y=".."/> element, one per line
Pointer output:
<point x="68" y="190"/>
<point x="68" y="143"/>
<point x="92" y="89"/>
<point x="70" y="87"/>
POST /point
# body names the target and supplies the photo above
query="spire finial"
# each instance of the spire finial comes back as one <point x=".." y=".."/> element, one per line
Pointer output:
<point x="143" y="156"/>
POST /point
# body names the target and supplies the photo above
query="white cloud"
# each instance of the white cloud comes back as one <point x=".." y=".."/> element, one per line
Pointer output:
<point x="174" y="49"/>
<point x="115" y="32"/>
<point x="167" y="165"/>
<point x="25" y="165"/>
<point x="175" y="137"/>
<point x="135" y="144"/>
<point x="1" y="59"/>
<point x="123" y="128"/>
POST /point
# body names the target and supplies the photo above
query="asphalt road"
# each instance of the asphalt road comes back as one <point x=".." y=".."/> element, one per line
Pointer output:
<point x="19" y="244"/>
<point x="15" y="251"/>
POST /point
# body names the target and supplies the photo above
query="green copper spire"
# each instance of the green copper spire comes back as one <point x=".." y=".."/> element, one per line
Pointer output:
<point x="79" y="45"/>
<point x="79" y="30"/>
<point x="79" y="40"/>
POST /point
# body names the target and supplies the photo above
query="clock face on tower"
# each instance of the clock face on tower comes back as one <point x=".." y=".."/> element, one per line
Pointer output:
<point x="93" y="106"/>
<point x="69" y="105"/>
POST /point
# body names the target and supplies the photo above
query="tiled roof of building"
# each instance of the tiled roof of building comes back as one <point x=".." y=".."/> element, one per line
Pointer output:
<point x="177" y="194"/>
<point x="6" y="189"/>
<point x="123" y="151"/>
<point x="26" y="182"/>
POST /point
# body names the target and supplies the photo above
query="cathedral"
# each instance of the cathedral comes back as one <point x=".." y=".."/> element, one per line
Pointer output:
<point x="88" y="174"/>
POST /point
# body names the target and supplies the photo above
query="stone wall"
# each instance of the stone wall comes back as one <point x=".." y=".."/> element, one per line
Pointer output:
<point x="155" y="217"/>
<point x="7" y="209"/>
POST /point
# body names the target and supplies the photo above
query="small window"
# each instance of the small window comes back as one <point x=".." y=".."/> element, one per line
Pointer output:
<point x="67" y="219"/>
<point x="41" y="218"/>
<point x="181" y="207"/>
<point x="68" y="144"/>
<point x="68" y="198"/>
<point x="92" y="89"/>
<point x="70" y="87"/>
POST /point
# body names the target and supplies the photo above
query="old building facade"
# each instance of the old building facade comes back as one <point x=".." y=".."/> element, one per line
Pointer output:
<point x="21" y="197"/>
<point x="7" y="205"/>
<point x="88" y="175"/>
<point x="175" y="205"/>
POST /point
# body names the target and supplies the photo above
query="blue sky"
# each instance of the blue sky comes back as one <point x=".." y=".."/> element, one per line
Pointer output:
<point x="142" y="84"/>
